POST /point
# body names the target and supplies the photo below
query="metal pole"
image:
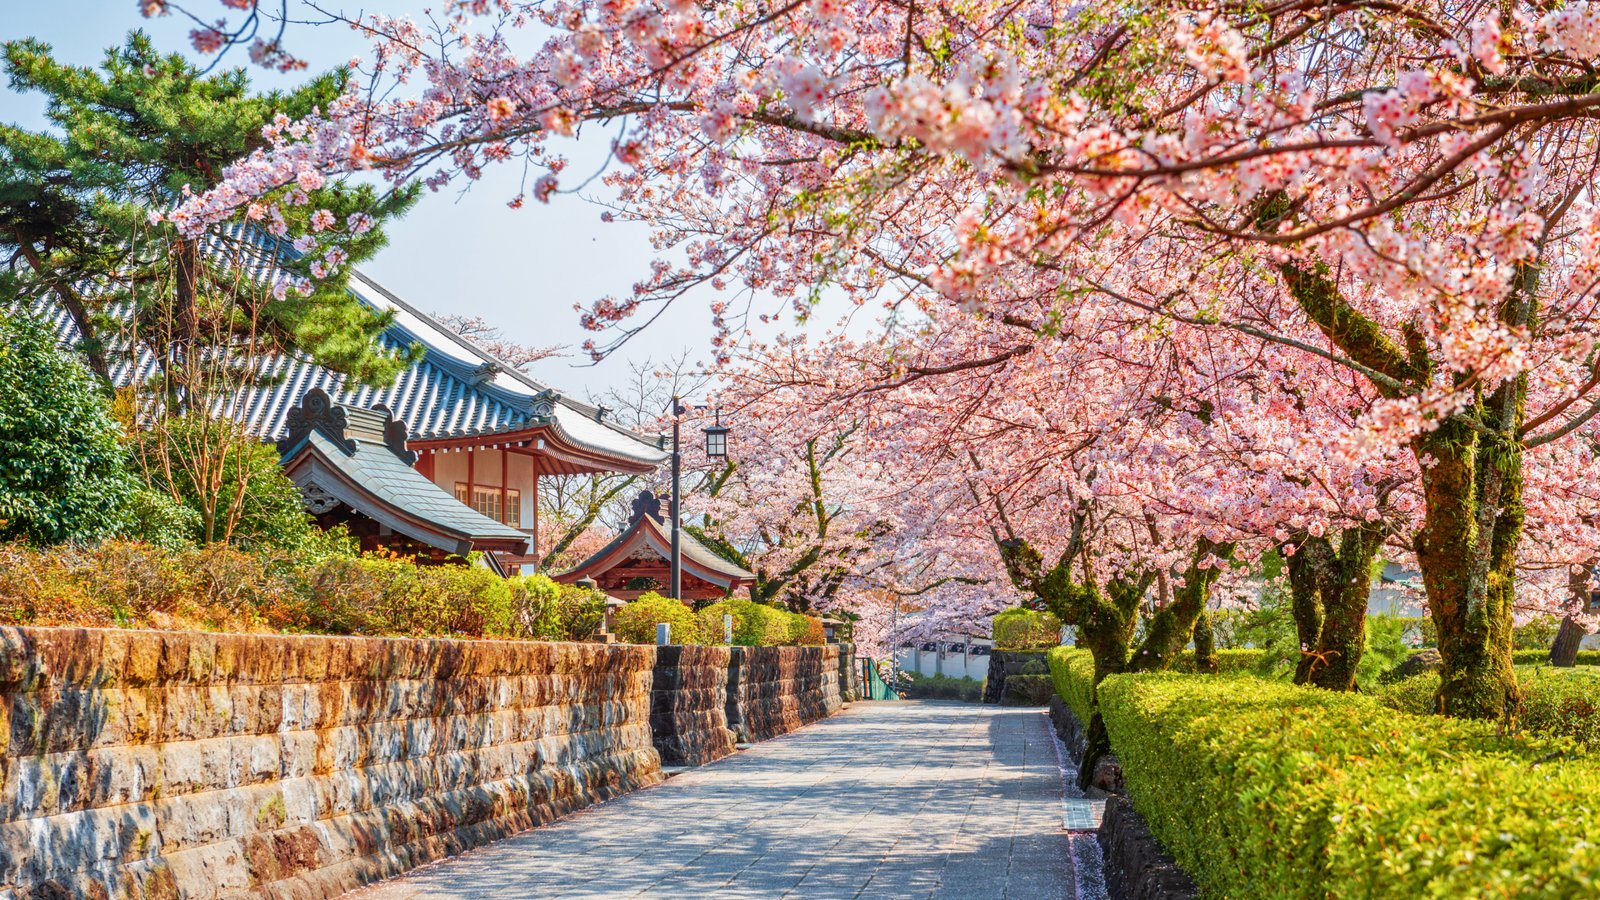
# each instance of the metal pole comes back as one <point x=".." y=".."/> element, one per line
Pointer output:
<point x="677" y="463"/>
<point x="894" y="645"/>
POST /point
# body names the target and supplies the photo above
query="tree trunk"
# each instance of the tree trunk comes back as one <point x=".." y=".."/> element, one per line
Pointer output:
<point x="1205" y="646"/>
<point x="185" y="321"/>
<point x="1344" y="602"/>
<point x="1469" y="580"/>
<point x="1306" y="566"/>
<point x="1172" y="626"/>
<point x="1569" y="638"/>
<point x="72" y="302"/>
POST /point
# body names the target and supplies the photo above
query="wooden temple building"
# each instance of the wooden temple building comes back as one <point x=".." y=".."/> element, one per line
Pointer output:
<point x="638" y="561"/>
<point x="472" y="434"/>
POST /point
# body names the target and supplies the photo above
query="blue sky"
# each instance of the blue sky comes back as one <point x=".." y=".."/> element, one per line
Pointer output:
<point x="455" y="253"/>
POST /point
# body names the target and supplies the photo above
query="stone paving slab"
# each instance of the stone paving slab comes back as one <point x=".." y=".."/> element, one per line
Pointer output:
<point x="892" y="799"/>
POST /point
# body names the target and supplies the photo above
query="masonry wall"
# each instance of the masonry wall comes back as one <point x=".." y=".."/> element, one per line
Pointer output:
<point x="783" y="688"/>
<point x="157" y="765"/>
<point x="688" y="705"/>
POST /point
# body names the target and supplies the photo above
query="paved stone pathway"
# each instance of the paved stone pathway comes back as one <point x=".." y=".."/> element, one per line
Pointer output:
<point x="882" y="800"/>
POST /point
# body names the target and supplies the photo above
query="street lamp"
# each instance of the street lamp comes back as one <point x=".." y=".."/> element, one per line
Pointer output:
<point x="717" y="439"/>
<point x="716" y="448"/>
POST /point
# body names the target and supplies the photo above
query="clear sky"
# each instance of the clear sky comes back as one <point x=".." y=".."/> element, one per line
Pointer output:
<point x="455" y="253"/>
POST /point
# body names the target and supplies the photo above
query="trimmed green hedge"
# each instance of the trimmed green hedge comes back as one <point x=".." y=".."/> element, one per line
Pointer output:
<point x="1542" y="657"/>
<point x="1228" y="661"/>
<point x="1555" y="702"/>
<point x="1072" y="672"/>
<point x="1025" y="629"/>
<point x="1264" y="789"/>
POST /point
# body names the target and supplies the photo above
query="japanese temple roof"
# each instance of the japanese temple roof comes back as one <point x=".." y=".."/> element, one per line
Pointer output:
<point x="357" y="457"/>
<point x="648" y="532"/>
<point x="456" y="392"/>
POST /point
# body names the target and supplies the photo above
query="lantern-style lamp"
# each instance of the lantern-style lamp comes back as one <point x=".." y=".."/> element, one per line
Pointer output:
<point x="717" y="439"/>
<point x="830" y="629"/>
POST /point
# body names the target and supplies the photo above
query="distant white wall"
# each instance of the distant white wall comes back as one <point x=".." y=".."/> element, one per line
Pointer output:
<point x="954" y="660"/>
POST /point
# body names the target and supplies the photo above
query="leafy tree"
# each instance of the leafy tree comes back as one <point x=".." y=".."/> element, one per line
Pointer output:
<point x="63" y="471"/>
<point x="130" y="138"/>
<point x="227" y="480"/>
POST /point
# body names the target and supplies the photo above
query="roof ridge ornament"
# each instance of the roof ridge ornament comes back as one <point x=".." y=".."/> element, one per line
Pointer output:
<point x="396" y="434"/>
<point x="646" y="504"/>
<point x="316" y="411"/>
<point x="544" y="404"/>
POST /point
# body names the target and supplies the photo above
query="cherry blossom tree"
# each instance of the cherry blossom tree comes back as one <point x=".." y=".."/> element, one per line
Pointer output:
<point x="1394" y="197"/>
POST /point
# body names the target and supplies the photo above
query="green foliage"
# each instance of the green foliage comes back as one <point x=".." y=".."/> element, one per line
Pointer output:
<point x="1228" y="661"/>
<point x="227" y="480"/>
<point x="758" y="624"/>
<point x="1387" y="646"/>
<point x="915" y="686"/>
<point x="140" y="585"/>
<point x="547" y="611"/>
<point x="1555" y="702"/>
<point x="1542" y="657"/>
<point x="1536" y="634"/>
<point x="636" y="622"/>
<point x="1028" y="690"/>
<point x="133" y="134"/>
<point x="1264" y="789"/>
<point x="1072" y="673"/>
<point x="1025" y="629"/>
<point x="63" y="472"/>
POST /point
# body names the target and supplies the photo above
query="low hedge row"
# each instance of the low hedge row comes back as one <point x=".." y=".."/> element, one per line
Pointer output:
<point x="754" y="624"/>
<point x="1555" y="702"/>
<point x="129" y="584"/>
<point x="1072" y="672"/>
<point x="1264" y="789"/>
<point x="1542" y="657"/>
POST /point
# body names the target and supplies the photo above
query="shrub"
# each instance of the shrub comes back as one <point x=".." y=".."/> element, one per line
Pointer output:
<point x="65" y="475"/>
<point x="1028" y="690"/>
<point x="914" y="686"/>
<point x="754" y="624"/>
<point x="1264" y="789"/>
<point x="1025" y="629"/>
<point x="1228" y="661"/>
<point x="806" y="630"/>
<point x="1536" y="634"/>
<point x="1555" y="702"/>
<point x="1542" y="657"/>
<point x="636" y="622"/>
<point x="1072" y="673"/>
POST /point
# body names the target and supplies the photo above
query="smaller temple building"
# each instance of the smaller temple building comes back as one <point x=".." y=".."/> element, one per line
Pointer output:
<point x="354" y="469"/>
<point x="639" y="560"/>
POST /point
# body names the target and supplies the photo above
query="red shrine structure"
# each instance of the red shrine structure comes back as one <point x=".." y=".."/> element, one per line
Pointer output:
<point x="639" y="560"/>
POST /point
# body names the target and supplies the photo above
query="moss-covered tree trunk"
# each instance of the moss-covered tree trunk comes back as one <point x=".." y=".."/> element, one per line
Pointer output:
<point x="1205" y="646"/>
<point x="1472" y="493"/>
<point x="1330" y="589"/>
<point x="1173" y="625"/>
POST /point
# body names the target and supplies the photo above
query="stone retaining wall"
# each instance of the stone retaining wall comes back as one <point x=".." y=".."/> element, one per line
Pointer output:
<point x="156" y="765"/>
<point x="783" y="688"/>
<point x="688" y="705"/>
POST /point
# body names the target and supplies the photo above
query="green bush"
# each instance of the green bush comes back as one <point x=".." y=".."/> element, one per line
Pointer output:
<point x="636" y="622"/>
<point x="914" y="686"/>
<point x="1072" y="673"/>
<point x="1555" y="702"/>
<point x="1025" y="629"/>
<point x="1264" y="789"/>
<point x="63" y="471"/>
<point x="219" y="587"/>
<point x="1028" y="690"/>
<point x="1228" y="661"/>
<point x="1542" y="657"/>
<point x="546" y="611"/>
<point x="759" y="625"/>
<point x="1536" y="634"/>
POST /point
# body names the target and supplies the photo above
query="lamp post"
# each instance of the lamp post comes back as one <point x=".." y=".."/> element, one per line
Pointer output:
<point x="716" y="448"/>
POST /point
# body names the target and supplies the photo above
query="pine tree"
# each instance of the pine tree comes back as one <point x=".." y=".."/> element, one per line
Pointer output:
<point x="131" y="137"/>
